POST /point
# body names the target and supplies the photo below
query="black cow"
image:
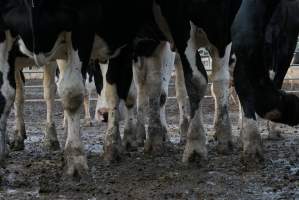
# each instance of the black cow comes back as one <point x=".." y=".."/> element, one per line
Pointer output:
<point x="264" y="38"/>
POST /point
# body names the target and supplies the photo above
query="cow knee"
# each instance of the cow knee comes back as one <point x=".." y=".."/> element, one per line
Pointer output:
<point x="71" y="95"/>
<point x="130" y="101"/>
<point x="72" y="102"/>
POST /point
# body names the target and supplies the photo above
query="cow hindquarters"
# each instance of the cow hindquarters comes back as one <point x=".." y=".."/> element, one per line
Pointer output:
<point x="71" y="91"/>
<point x="50" y="140"/>
<point x="17" y="144"/>
<point x="220" y="92"/>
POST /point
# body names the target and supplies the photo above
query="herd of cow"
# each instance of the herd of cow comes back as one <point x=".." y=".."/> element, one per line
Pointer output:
<point x="141" y="41"/>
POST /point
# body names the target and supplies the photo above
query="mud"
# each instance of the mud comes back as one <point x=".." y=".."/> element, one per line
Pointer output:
<point x="36" y="173"/>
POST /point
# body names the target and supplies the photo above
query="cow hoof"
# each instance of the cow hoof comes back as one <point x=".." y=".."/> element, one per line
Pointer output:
<point x="17" y="145"/>
<point x="51" y="140"/>
<point x="112" y="153"/>
<point x="155" y="142"/>
<point x="76" y="163"/>
<point x="275" y="135"/>
<point x="113" y="146"/>
<point x="253" y="155"/>
<point x="225" y="148"/>
<point x="223" y="136"/>
<point x="129" y="140"/>
<point x="195" y="150"/>
<point x="87" y="122"/>
<point x="52" y="145"/>
<point x="140" y="134"/>
<point x="154" y="147"/>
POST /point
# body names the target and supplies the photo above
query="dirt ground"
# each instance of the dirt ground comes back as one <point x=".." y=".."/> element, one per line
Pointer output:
<point x="37" y="174"/>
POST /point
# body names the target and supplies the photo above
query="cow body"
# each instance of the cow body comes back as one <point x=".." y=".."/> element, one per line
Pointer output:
<point x="188" y="38"/>
<point x="264" y="39"/>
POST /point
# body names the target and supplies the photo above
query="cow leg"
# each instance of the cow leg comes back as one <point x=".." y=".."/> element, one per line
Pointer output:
<point x="119" y="79"/>
<point x="250" y="137"/>
<point x="17" y="144"/>
<point x="129" y="139"/>
<point x="196" y="81"/>
<point x="62" y="65"/>
<point x="140" y="72"/>
<point x="156" y="131"/>
<point x="182" y="98"/>
<point x="220" y="92"/>
<point x="86" y="105"/>
<point x="7" y="93"/>
<point x="71" y="91"/>
<point x="112" y="149"/>
<point x="50" y="139"/>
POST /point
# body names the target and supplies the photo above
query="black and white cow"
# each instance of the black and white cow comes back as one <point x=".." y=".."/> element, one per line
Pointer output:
<point x="264" y="38"/>
<point x="191" y="25"/>
<point x="38" y="40"/>
<point x="76" y="32"/>
<point x="39" y="26"/>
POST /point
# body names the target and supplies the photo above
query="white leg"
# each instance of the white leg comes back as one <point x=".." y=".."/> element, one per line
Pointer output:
<point x="196" y="85"/>
<point x="62" y="64"/>
<point x="7" y="92"/>
<point x="156" y="131"/>
<point x="113" y="146"/>
<point x="140" y="79"/>
<point x="182" y="99"/>
<point x="50" y="140"/>
<point x="130" y="140"/>
<point x="71" y="90"/>
<point x="220" y="92"/>
<point x="17" y="143"/>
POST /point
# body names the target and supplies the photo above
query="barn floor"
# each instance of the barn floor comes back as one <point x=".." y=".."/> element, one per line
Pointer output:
<point x="37" y="174"/>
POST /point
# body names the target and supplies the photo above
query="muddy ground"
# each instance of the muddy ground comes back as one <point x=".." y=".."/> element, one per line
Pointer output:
<point x="37" y="174"/>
